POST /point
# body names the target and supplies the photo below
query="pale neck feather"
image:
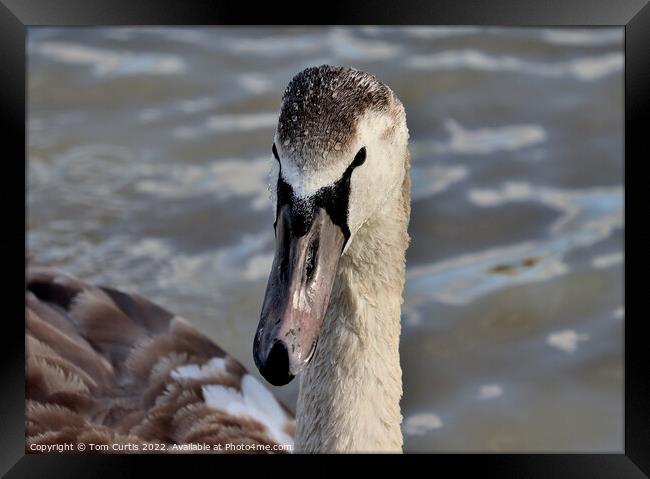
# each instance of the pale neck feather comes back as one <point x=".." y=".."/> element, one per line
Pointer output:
<point x="350" y="393"/>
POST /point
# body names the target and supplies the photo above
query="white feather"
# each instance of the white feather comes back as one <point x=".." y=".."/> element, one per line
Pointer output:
<point x="194" y="371"/>
<point x="253" y="401"/>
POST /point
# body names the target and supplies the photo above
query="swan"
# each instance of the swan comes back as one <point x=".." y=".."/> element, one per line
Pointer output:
<point x="111" y="368"/>
<point x="331" y="310"/>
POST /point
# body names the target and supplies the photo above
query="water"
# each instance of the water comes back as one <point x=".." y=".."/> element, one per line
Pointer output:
<point x="148" y="158"/>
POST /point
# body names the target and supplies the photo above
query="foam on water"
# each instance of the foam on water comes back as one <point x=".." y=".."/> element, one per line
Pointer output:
<point x="490" y="391"/>
<point x="481" y="141"/>
<point x="607" y="260"/>
<point x="567" y="340"/>
<point x="228" y="123"/>
<point x="431" y="180"/>
<point x="584" y="37"/>
<point x="110" y="63"/>
<point x="422" y="423"/>
<point x="225" y="179"/>
<point x="583" y="69"/>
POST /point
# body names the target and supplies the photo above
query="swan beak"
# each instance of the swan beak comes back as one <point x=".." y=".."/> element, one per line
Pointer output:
<point x="297" y="296"/>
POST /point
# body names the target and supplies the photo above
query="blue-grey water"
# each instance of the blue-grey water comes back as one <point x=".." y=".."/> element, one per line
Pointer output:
<point x="148" y="158"/>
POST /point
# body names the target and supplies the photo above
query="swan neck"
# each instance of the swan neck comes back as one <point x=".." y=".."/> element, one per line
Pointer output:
<point x="350" y="393"/>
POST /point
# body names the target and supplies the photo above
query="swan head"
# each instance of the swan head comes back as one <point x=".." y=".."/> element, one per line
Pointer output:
<point x="339" y="152"/>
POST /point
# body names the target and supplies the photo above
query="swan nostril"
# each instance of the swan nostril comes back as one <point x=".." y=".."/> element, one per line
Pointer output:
<point x="276" y="367"/>
<point x="312" y="257"/>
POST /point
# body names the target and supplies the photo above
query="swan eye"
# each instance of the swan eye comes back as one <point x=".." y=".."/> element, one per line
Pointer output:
<point x="360" y="157"/>
<point x="275" y="152"/>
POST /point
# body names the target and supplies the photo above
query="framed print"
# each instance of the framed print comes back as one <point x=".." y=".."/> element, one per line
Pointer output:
<point x="383" y="230"/>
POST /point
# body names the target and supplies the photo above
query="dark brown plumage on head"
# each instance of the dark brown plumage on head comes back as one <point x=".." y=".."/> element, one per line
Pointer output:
<point x="321" y="107"/>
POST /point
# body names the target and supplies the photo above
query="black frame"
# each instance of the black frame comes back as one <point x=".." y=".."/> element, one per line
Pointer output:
<point x="634" y="15"/>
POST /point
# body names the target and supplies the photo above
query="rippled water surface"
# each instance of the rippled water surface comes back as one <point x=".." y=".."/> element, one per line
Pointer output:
<point x="148" y="158"/>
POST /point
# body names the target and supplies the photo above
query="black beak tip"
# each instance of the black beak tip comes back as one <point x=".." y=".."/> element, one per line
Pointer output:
<point x="275" y="368"/>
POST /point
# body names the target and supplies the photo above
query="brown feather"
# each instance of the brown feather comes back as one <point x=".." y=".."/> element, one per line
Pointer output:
<point x="100" y="368"/>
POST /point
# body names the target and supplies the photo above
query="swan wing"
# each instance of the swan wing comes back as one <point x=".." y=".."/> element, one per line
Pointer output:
<point x="110" y="368"/>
